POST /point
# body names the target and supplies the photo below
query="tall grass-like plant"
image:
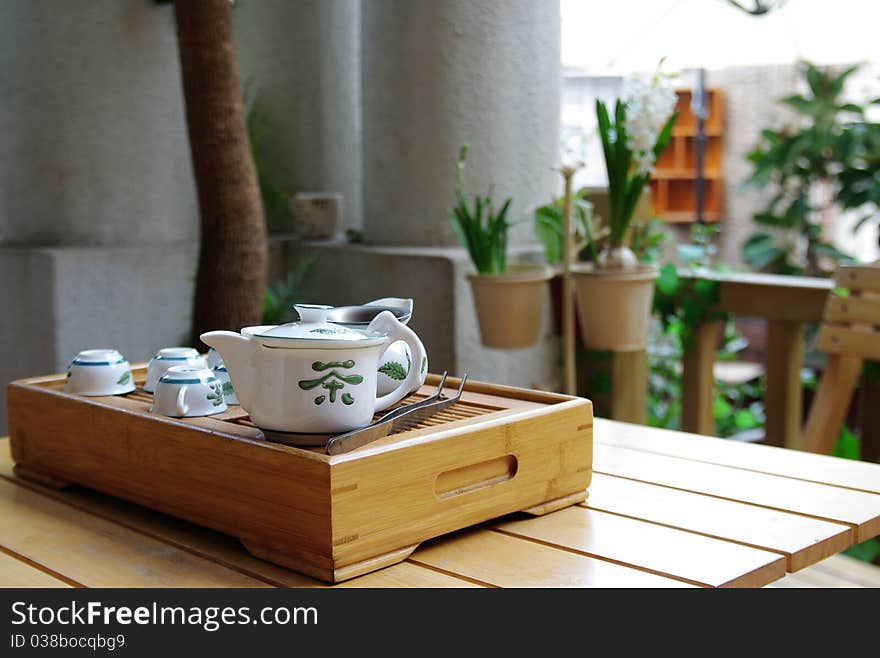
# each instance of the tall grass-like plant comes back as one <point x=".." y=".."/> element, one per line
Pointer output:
<point x="631" y="143"/>
<point x="481" y="230"/>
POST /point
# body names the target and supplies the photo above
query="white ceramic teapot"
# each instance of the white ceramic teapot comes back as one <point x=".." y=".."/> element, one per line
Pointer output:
<point x="314" y="376"/>
<point x="396" y="361"/>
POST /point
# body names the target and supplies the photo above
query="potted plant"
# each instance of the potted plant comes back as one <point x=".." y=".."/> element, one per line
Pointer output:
<point x="615" y="291"/>
<point x="509" y="299"/>
<point x="549" y="229"/>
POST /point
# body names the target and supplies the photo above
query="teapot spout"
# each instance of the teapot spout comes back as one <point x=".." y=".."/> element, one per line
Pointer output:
<point x="236" y="351"/>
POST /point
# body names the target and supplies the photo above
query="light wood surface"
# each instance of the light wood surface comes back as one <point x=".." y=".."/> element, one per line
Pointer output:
<point x="846" y="473"/>
<point x="97" y="553"/>
<point x="629" y="386"/>
<point x="16" y="571"/>
<point x="698" y="380"/>
<point x="858" y="277"/>
<point x="667" y="509"/>
<point x="500" y="560"/>
<point x="783" y="398"/>
<point x="852" y="309"/>
<point x="801" y="540"/>
<point x="854" y="508"/>
<point x="659" y="549"/>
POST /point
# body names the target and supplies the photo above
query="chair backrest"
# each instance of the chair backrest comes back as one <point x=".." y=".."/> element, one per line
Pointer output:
<point x="849" y="335"/>
<point x="851" y="321"/>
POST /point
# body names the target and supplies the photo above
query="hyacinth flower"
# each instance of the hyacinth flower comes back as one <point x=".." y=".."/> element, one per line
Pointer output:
<point x="631" y="142"/>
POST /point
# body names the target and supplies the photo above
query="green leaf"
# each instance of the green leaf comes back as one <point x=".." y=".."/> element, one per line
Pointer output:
<point x="668" y="280"/>
<point x="847" y="445"/>
<point x="548" y="229"/>
<point x="760" y="250"/>
<point x="867" y="551"/>
<point x="394" y="370"/>
<point x="816" y="79"/>
<point x="801" y="104"/>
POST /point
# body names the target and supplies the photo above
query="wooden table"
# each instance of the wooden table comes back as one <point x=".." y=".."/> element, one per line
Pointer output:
<point x="666" y="509"/>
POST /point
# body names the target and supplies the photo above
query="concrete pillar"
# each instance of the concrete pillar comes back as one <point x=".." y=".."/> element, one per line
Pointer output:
<point x="302" y="58"/>
<point x="94" y="148"/>
<point x="437" y="73"/>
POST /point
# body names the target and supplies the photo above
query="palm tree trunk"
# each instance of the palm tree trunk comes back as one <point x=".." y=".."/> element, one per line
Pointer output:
<point x="233" y="253"/>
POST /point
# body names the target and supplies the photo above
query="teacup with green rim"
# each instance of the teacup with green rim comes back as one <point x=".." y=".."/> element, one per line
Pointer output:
<point x="168" y="357"/>
<point x="222" y="376"/>
<point x="188" y="391"/>
<point x="99" y="372"/>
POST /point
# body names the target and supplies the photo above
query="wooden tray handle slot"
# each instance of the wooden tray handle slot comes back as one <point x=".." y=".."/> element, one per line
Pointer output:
<point x="461" y="480"/>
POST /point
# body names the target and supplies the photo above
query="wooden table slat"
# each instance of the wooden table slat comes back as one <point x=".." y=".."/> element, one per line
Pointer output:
<point x="802" y="540"/>
<point x="504" y="561"/>
<point x="98" y="553"/>
<point x="16" y="573"/>
<point x="839" y="472"/>
<point x="857" y="508"/>
<point x="666" y="551"/>
<point x="215" y="546"/>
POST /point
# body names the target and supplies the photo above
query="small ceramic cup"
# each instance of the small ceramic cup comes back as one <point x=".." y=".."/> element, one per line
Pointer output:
<point x="168" y="357"/>
<point x="99" y="372"/>
<point x="213" y="359"/>
<point x="188" y="391"/>
<point x="223" y="377"/>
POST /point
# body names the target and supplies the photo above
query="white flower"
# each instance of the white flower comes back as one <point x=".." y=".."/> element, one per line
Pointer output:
<point x="649" y="104"/>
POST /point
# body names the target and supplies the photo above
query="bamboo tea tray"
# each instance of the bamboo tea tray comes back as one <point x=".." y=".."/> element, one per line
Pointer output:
<point x="498" y="450"/>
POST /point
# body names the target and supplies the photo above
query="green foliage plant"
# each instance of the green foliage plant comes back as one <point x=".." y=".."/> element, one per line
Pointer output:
<point x="275" y="197"/>
<point x="279" y="298"/>
<point x="480" y="229"/>
<point x="682" y="303"/>
<point x="626" y="180"/>
<point x="645" y="237"/>
<point x="828" y="162"/>
<point x="549" y="229"/>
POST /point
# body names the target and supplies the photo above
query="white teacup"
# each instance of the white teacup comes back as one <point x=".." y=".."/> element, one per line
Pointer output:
<point x="187" y="391"/>
<point x="222" y="376"/>
<point x="213" y="359"/>
<point x="99" y="372"/>
<point x="168" y="357"/>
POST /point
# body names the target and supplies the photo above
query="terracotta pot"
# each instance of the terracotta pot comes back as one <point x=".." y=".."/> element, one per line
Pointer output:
<point x="510" y="306"/>
<point x="614" y="307"/>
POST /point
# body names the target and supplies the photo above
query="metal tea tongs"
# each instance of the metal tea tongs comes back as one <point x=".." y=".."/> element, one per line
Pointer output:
<point x="398" y="420"/>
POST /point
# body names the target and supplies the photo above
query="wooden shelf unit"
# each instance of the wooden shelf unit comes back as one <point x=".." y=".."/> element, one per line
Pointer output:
<point x="673" y="183"/>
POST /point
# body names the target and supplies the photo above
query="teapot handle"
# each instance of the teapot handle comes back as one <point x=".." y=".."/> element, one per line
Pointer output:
<point x="387" y="323"/>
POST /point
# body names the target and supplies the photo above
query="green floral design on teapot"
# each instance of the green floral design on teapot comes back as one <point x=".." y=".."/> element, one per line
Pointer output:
<point x="333" y="381"/>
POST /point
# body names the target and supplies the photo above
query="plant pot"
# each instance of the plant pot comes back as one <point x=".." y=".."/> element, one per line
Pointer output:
<point x="614" y="307"/>
<point x="510" y="306"/>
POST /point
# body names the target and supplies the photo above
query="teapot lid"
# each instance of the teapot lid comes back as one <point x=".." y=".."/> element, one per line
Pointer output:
<point x="314" y="329"/>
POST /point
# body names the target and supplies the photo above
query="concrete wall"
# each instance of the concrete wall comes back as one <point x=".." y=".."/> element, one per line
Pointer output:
<point x="751" y="101"/>
<point x="436" y="74"/>
<point x="94" y="148"/>
<point x="98" y="217"/>
<point x="302" y="58"/>
<point x="444" y="315"/>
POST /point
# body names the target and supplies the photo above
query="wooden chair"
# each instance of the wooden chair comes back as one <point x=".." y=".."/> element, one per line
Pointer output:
<point x="849" y="335"/>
